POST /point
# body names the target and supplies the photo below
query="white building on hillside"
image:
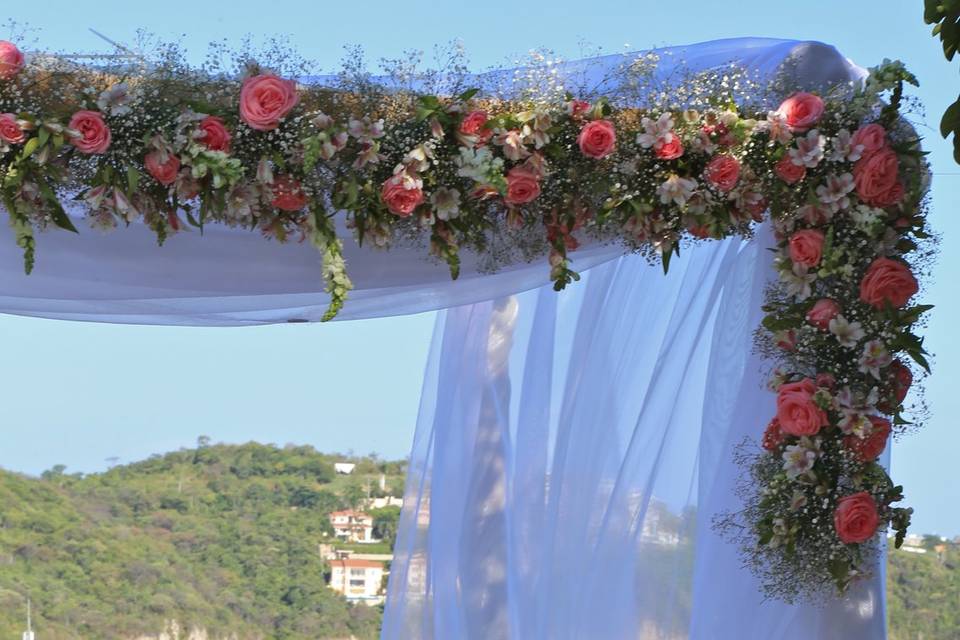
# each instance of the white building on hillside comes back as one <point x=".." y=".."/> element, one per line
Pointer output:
<point x="353" y="526"/>
<point x="345" y="468"/>
<point x="358" y="580"/>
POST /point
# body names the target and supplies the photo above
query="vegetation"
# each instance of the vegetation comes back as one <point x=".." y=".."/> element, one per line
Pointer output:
<point x="219" y="538"/>
<point x="923" y="592"/>
<point x="225" y="539"/>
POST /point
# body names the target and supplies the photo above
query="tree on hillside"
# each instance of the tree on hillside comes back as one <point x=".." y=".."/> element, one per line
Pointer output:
<point x="385" y="524"/>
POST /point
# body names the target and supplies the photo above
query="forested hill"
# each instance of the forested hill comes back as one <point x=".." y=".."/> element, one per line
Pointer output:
<point x="219" y="538"/>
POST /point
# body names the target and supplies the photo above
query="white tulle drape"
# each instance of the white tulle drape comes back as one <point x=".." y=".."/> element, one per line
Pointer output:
<point x="572" y="452"/>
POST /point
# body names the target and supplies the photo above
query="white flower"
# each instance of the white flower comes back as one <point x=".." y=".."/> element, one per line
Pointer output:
<point x="842" y="148"/>
<point x="322" y="120"/>
<point x="479" y="164"/>
<point x="866" y="217"/>
<point x="853" y="422"/>
<point x="798" y="501"/>
<point x="655" y="132"/>
<point x="799" y="458"/>
<point x="369" y="154"/>
<point x="446" y="203"/>
<point x="833" y="194"/>
<point x="264" y="172"/>
<point x="776" y="127"/>
<point x="809" y="150"/>
<point x="114" y="100"/>
<point x="512" y="143"/>
<point x="702" y="143"/>
<point x="535" y="127"/>
<point x="797" y="281"/>
<point x="848" y="333"/>
<point x="366" y="130"/>
<point x="676" y="189"/>
<point x="875" y="356"/>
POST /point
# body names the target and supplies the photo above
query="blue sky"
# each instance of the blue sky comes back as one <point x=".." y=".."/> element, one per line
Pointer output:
<point x="78" y="394"/>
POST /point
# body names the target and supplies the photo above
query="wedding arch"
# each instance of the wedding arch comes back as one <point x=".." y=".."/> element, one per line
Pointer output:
<point x="690" y="442"/>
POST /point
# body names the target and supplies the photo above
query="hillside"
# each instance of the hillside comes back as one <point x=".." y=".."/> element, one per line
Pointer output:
<point x="923" y="592"/>
<point x="220" y="538"/>
<point x="225" y="539"/>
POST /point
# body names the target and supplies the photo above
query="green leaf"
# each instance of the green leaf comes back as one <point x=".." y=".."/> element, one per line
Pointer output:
<point x="29" y="148"/>
<point x="466" y="95"/>
<point x="950" y="122"/>
<point x="60" y="217"/>
<point x="43" y="136"/>
<point x="133" y="179"/>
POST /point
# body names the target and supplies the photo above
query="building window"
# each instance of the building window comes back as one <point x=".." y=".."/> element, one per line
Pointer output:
<point x="358" y="583"/>
<point x="358" y="572"/>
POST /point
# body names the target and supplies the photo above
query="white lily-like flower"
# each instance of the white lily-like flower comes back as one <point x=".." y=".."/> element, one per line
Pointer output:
<point x="366" y="130"/>
<point x="513" y="145"/>
<point x="446" y="203"/>
<point x="834" y="194"/>
<point x="799" y="458"/>
<point x="809" y="150"/>
<point x="797" y="281"/>
<point x="676" y="190"/>
<point x="848" y="333"/>
<point x="655" y="132"/>
<point x="874" y="357"/>
<point x="776" y="127"/>
<point x="842" y="148"/>
<point x="114" y="101"/>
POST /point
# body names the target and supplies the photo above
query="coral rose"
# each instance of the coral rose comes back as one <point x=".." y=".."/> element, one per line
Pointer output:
<point x="870" y="447"/>
<point x="10" y="131"/>
<point x="265" y="100"/>
<point x="164" y="167"/>
<point x="887" y="281"/>
<point x="597" y="139"/>
<point x="801" y="110"/>
<point x="872" y="137"/>
<point x="400" y="200"/>
<point x="822" y="312"/>
<point x="288" y="194"/>
<point x="11" y="60"/>
<point x="723" y="172"/>
<point x="797" y="413"/>
<point x="855" y="518"/>
<point x="877" y="178"/>
<point x="788" y="171"/>
<point x="216" y="136"/>
<point x="669" y="150"/>
<point x="806" y="247"/>
<point x="94" y="133"/>
<point x="473" y="125"/>
<point x="522" y="186"/>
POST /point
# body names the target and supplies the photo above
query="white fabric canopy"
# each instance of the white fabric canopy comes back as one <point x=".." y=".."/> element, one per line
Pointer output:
<point x="571" y="449"/>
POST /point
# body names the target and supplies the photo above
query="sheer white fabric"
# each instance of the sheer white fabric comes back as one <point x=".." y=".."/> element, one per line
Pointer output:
<point x="235" y="277"/>
<point x="571" y="454"/>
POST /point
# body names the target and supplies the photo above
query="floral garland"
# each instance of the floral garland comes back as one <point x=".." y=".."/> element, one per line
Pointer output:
<point x="843" y="181"/>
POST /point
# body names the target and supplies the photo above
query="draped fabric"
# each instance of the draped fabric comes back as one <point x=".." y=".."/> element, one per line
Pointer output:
<point x="572" y="452"/>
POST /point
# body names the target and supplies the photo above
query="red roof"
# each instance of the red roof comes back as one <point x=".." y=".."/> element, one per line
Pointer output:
<point x="350" y="563"/>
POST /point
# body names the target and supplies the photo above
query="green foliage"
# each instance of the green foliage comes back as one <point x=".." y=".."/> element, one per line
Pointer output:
<point x="944" y="15"/>
<point x="222" y="538"/>
<point x="923" y="593"/>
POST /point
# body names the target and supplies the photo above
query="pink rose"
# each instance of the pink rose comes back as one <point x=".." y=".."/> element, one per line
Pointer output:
<point x="400" y="200"/>
<point x="872" y="137"/>
<point x="822" y="312"/>
<point x="801" y="110"/>
<point x="10" y="131"/>
<point x="877" y="178"/>
<point x="11" y="60"/>
<point x="856" y="519"/>
<point x="473" y="125"/>
<point x="669" y="150"/>
<point x="94" y="133"/>
<point x="773" y="436"/>
<point x="265" y="100"/>
<point x="798" y="414"/>
<point x="887" y="281"/>
<point x="164" y="170"/>
<point x="522" y="186"/>
<point x="806" y="247"/>
<point x="723" y="172"/>
<point x="826" y="380"/>
<point x="215" y="137"/>
<point x="597" y="139"/>
<point x="788" y="171"/>
<point x="288" y="194"/>
<point x="872" y="445"/>
<point x="577" y="108"/>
